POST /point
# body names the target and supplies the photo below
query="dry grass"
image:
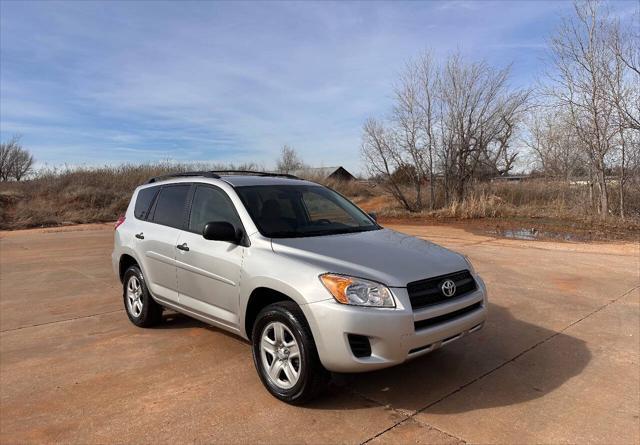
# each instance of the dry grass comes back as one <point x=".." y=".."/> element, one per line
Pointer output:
<point x="537" y="199"/>
<point x="82" y="195"/>
<point x="85" y="195"/>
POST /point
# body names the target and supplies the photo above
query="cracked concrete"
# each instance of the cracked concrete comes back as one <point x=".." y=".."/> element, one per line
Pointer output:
<point x="557" y="362"/>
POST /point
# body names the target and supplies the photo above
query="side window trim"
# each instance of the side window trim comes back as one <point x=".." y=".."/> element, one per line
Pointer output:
<point x="226" y="196"/>
<point x="187" y="205"/>
<point x="307" y="213"/>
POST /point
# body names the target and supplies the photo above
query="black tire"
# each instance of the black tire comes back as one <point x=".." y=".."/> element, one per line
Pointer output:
<point x="151" y="312"/>
<point x="313" y="377"/>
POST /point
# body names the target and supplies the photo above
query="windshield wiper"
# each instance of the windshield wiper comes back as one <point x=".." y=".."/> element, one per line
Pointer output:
<point x="283" y="234"/>
<point x="355" y="230"/>
<point x="291" y="234"/>
<point x="336" y="231"/>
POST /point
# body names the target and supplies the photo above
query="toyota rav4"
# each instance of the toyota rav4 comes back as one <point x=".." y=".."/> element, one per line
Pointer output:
<point x="313" y="282"/>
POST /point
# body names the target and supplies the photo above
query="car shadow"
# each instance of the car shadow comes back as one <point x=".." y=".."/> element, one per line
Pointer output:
<point x="176" y="320"/>
<point x="530" y="367"/>
<point x="425" y="383"/>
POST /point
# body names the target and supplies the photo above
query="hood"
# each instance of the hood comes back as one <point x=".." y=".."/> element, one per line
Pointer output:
<point x="386" y="256"/>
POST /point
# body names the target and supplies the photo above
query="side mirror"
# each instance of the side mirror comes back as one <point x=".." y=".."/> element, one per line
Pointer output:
<point x="374" y="216"/>
<point x="221" y="231"/>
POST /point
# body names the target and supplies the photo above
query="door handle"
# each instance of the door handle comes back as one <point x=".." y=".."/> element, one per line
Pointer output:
<point x="140" y="235"/>
<point x="183" y="246"/>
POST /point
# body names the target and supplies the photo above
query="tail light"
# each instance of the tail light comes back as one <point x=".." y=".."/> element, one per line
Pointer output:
<point x="119" y="222"/>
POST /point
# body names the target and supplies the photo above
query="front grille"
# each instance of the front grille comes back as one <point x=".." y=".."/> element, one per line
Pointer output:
<point x="428" y="292"/>
<point x="360" y="345"/>
<point x="423" y="324"/>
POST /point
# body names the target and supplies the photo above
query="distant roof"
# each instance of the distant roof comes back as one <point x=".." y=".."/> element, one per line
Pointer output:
<point x="323" y="172"/>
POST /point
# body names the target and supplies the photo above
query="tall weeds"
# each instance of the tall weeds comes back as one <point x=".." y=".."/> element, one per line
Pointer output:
<point x="530" y="199"/>
<point x="84" y="195"/>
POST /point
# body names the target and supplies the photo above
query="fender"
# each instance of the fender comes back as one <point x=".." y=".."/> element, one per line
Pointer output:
<point x="247" y="286"/>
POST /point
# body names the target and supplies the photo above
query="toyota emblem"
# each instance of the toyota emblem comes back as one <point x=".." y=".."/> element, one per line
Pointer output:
<point x="448" y="288"/>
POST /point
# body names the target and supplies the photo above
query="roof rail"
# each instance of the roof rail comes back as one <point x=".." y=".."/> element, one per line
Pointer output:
<point x="206" y="174"/>
<point x="253" y="173"/>
<point x="215" y="174"/>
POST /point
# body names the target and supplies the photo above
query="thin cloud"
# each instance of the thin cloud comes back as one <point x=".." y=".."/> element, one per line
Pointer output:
<point x="133" y="81"/>
<point x="460" y="4"/>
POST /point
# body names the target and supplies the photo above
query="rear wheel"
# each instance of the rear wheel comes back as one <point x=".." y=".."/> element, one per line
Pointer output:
<point x="141" y="308"/>
<point x="285" y="354"/>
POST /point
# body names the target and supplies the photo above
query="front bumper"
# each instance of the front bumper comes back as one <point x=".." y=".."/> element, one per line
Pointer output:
<point x="392" y="333"/>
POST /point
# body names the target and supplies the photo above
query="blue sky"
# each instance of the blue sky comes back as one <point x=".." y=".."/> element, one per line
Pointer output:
<point x="92" y="83"/>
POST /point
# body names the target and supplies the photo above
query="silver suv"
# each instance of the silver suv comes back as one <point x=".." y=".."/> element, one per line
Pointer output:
<point x="312" y="281"/>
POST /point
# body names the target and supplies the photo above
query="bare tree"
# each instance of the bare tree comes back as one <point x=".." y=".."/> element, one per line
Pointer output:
<point x="6" y="152"/>
<point x="401" y="152"/>
<point x="407" y="130"/>
<point x="554" y="144"/>
<point x="624" y="81"/>
<point x="22" y="164"/>
<point x="15" y="161"/>
<point x="479" y="114"/>
<point x="584" y="65"/>
<point x="288" y="160"/>
<point x="383" y="158"/>
<point x="429" y="78"/>
<point x="457" y="117"/>
<point x="623" y="94"/>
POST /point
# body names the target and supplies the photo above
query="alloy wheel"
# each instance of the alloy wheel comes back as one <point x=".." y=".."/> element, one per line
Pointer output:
<point x="280" y="355"/>
<point x="134" y="296"/>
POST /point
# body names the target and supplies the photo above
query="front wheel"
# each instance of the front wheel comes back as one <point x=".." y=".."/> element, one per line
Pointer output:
<point x="285" y="354"/>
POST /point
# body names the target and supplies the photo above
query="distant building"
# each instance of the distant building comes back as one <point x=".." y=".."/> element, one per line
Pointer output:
<point x="335" y="173"/>
<point x="512" y="178"/>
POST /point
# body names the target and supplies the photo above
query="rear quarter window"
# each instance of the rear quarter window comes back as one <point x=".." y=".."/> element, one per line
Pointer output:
<point x="143" y="202"/>
<point x="170" y="205"/>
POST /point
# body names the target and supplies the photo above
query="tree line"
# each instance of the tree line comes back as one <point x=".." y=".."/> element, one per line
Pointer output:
<point x="456" y="121"/>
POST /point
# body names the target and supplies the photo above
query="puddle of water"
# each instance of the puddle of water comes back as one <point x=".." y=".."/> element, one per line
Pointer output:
<point x="535" y="234"/>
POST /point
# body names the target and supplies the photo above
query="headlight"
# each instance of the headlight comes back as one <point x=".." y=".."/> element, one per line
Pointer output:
<point x="471" y="268"/>
<point x="357" y="291"/>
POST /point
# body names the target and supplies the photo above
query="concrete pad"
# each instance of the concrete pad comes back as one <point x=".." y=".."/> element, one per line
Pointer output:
<point x="538" y="398"/>
<point x="412" y="431"/>
<point x="100" y="379"/>
<point x="551" y="364"/>
<point x="423" y="381"/>
<point x="534" y="292"/>
<point x="53" y="276"/>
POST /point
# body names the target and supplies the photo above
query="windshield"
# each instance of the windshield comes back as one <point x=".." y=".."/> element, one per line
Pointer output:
<point x="290" y="211"/>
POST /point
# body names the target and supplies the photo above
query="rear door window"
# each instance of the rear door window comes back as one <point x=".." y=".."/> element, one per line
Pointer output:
<point x="170" y="205"/>
<point x="143" y="202"/>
